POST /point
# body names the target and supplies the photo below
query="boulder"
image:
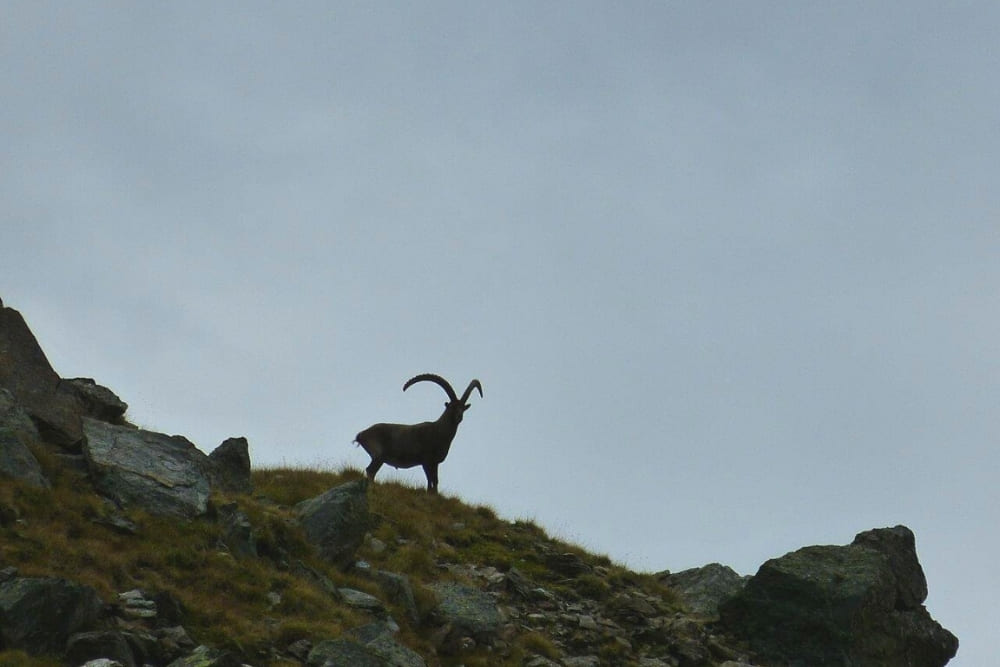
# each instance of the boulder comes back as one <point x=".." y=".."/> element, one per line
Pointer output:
<point x="899" y="546"/>
<point x="40" y="615"/>
<point x="14" y="418"/>
<point x="465" y="612"/>
<point x="361" y="600"/>
<point x="703" y="588"/>
<point x="204" y="656"/>
<point x="231" y="466"/>
<point x="344" y="653"/>
<point x="165" y="475"/>
<point x="238" y="534"/>
<point x="17" y="431"/>
<point x="111" y="645"/>
<point x="98" y="401"/>
<point x="53" y="405"/>
<point x="841" y="605"/>
<point x="398" y="589"/>
<point x="336" y="521"/>
<point x="379" y="639"/>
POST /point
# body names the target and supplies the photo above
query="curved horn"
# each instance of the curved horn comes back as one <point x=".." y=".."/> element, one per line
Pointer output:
<point x="436" y="379"/>
<point x="468" y="390"/>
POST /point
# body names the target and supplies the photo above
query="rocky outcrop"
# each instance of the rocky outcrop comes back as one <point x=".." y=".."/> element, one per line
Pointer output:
<point x="230" y="466"/>
<point x="336" y="521"/>
<point x="17" y="431"/>
<point x="38" y="615"/>
<point x="464" y="612"/>
<point x="859" y="604"/>
<point x="166" y="475"/>
<point x="163" y="474"/>
<point x="98" y="401"/>
<point x="704" y="588"/>
<point x="54" y="404"/>
<point x="107" y="644"/>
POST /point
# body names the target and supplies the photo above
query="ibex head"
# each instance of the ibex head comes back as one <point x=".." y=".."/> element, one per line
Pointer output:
<point x="455" y="408"/>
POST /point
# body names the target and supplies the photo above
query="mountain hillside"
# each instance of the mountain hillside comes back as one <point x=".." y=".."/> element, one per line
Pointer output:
<point x="124" y="546"/>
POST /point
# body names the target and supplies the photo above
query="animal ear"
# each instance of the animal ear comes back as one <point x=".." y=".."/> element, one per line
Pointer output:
<point x="465" y="407"/>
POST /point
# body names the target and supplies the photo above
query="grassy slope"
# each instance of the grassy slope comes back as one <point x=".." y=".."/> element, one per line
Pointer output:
<point x="226" y="599"/>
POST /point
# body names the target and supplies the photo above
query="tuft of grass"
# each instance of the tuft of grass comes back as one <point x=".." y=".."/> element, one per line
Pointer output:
<point x="536" y="642"/>
<point x="289" y="486"/>
<point x="20" y="659"/>
<point x="229" y="601"/>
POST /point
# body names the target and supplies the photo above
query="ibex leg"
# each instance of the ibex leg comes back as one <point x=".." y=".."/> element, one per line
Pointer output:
<point x="431" y="470"/>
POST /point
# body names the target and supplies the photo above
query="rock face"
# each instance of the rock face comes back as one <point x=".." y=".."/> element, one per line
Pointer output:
<point x="166" y="475"/>
<point x="704" y="588"/>
<point x="465" y="612"/>
<point x="16" y="431"/>
<point x="24" y="370"/>
<point x="231" y="466"/>
<point x="336" y="521"/>
<point x="40" y="615"/>
<point x="859" y="604"/>
<point x="97" y="401"/>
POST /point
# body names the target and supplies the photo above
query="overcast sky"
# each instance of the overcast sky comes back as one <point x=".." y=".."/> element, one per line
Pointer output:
<point x="728" y="272"/>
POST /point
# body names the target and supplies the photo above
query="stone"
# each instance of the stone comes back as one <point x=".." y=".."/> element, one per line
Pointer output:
<point x="98" y="401"/>
<point x="379" y="639"/>
<point x="163" y="474"/>
<point x="146" y="649"/>
<point x="582" y="661"/>
<point x="39" y="615"/>
<point x="204" y="656"/>
<point x="898" y="545"/>
<point x="174" y="641"/>
<point x="110" y="645"/>
<point x="467" y="609"/>
<point x="541" y="661"/>
<point x="398" y="589"/>
<point x="835" y="605"/>
<point x="362" y="600"/>
<point x="518" y="583"/>
<point x="14" y="417"/>
<point x="237" y="533"/>
<point x="394" y="653"/>
<point x="169" y="610"/>
<point x="53" y="405"/>
<point x="569" y="564"/>
<point x="134" y="604"/>
<point x="336" y="521"/>
<point x="703" y="588"/>
<point x="17" y="461"/>
<point x="231" y="466"/>
<point x="343" y="653"/>
<point x="299" y="649"/>
<point x="17" y="432"/>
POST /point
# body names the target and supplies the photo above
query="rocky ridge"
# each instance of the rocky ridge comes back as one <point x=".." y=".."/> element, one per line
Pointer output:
<point x="404" y="578"/>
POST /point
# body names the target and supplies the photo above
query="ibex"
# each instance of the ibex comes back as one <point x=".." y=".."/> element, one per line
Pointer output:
<point x="425" y="444"/>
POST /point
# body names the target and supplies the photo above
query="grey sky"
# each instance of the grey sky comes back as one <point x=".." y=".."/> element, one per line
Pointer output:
<point x="727" y="271"/>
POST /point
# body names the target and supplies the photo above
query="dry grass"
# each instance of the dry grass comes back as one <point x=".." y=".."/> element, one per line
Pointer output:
<point x="55" y="532"/>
